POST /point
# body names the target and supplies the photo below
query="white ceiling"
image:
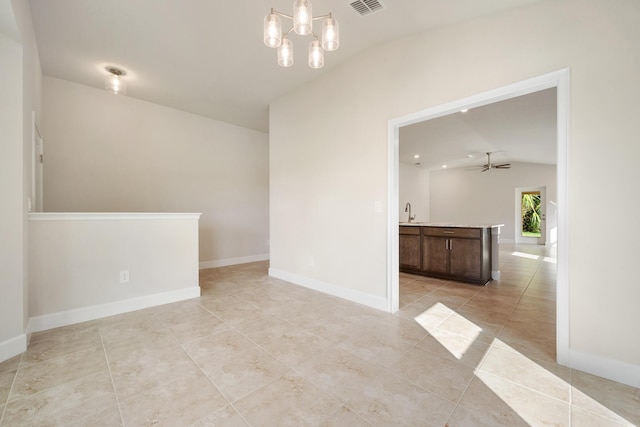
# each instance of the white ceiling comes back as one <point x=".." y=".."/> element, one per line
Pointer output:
<point x="206" y="56"/>
<point x="521" y="129"/>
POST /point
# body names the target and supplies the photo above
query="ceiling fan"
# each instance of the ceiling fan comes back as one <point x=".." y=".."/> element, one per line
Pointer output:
<point x="490" y="165"/>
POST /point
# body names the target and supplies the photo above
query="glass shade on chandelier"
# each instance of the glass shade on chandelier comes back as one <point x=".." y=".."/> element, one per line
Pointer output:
<point x="303" y="19"/>
<point x="316" y="55"/>
<point x="285" y="53"/>
<point x="330" y="36"/>
<point x="272" y="30"/>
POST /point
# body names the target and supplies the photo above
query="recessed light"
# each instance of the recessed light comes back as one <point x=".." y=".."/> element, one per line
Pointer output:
<point x="416" y="156"/>
<point x="444" y="166"/>
<point x="464" y="110"/>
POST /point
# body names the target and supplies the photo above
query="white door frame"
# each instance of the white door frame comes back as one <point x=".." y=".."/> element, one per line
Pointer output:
<point x="519" y="238"/>
<point x="37" y="153"/>
<point x="558" y="79"/>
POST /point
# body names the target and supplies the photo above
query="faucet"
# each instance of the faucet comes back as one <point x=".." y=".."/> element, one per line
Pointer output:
<point x="407" y="208"/>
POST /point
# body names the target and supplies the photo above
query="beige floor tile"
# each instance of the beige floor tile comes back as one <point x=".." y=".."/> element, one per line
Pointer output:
<point x="493" y="303"/>
<point x="267" y="329"/>
<point x="241" y="315"/>
<point x="6" y="381"/>
<point x="129" y="328"/>
<point x="109" y="417"/>
<point x="62" y="344"/>
<point x="64" y="404"/>
<point x="525" y="313"/>
<point x="544" y="377"/>
<point x="187" y="325"/>
<point x="376" y="346"/>
<point x="145" y="370"/>
<point x="605" y="398"/>
<point x="218" y="303"/>
<point x="429" y="316"/>
<point x="243" y="372"/>
<point x="37" y="377"/>
<point x="345" y="417"/>
<point x="10" y="364"/>
<point x="492" y="400"/>
<point x="536" y="340"/>
<point x="442" y="376"/>
<point x="289" y="400"/>
<point x="179" y="403"/>
<point x="455" y="347"/>
<point x="473" y="330"/>
<point x="295" y="347"/>
<point x="390" y="400"/>
<point x="339" y="373"/>
<point x="217" y="346"/>
<point x="225" y="417"/>
<point x="582" y="418"/>
<point x="497" y="415"/>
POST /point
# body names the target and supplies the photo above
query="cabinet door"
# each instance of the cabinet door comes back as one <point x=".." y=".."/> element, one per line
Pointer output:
<point x="435" y="254"/>
<point x="465" y="258"/>
<point x="410" y="251"/>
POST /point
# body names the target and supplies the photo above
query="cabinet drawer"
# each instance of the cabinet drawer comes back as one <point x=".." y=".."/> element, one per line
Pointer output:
<point x="470" y="233"/>
<point x="410" y="230"/>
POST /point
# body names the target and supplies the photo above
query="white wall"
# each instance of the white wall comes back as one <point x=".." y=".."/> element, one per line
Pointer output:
<point x="76" y="260"/>
<point x="463" y="196"/>
<point x="320" y="171"/>
<point x="414" y="188"/>
<point x="108" y="153"/>
<point x="11" y="229"/>
<point x="20" y="94"/>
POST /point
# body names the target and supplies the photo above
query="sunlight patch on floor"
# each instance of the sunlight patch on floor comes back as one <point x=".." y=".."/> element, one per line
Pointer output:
<point x="442" y="312"/>
<point x="551" y="260"/>
<point x="523" y="255"/>
<point x="534" y="393"/>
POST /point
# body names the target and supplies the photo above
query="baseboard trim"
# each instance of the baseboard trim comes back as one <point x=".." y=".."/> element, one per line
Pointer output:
<point x="611" y="369"/>
<point x="13" y="347"/>
<point x="328" y="288"/>
<point x="233" y="261"/>
<point x="84" y="314"/>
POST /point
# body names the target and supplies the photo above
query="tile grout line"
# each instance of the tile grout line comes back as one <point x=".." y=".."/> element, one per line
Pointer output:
<point x="113" y="384"/>
<point x="13" y="383"/>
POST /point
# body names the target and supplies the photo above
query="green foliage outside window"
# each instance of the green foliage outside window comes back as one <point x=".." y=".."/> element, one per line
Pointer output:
<point x="531" y="213"/>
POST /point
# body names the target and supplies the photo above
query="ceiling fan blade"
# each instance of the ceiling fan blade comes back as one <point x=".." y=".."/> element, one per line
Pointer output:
<point x="503" y="166"/>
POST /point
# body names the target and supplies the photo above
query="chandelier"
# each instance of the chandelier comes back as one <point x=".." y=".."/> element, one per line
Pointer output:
<point x="303" y="25"/>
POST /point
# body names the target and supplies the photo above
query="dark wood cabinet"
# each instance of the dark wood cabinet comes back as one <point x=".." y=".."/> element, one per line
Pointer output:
<point x="456" y="253"/>
<point x="410" y="248"/>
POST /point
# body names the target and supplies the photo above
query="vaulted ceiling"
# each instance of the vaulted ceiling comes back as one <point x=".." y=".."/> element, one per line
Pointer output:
<point x="207" y="56"/>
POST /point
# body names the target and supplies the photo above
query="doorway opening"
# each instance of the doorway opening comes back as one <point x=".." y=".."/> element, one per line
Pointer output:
<point x="557" y="79"/>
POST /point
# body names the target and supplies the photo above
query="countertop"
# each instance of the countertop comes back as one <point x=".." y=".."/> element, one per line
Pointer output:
<point x="442" y="224"/>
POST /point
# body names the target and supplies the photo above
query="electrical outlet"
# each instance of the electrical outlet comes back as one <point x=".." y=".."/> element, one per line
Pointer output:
<point x="124" y="276"/>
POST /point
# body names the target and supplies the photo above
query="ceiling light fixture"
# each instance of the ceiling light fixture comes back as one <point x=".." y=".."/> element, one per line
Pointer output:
<point x="303" y="25"/>
<point x="114" y="83"/>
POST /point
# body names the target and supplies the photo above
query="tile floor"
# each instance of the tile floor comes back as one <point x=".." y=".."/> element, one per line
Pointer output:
<point x="258" y="351"/>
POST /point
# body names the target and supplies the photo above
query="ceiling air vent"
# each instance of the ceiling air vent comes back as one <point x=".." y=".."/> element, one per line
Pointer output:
<point x="364" y="7"/>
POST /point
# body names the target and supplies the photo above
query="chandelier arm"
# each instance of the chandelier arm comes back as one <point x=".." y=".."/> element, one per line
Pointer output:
<point x="284" y="15"/>
<point x="315" y="18"/>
